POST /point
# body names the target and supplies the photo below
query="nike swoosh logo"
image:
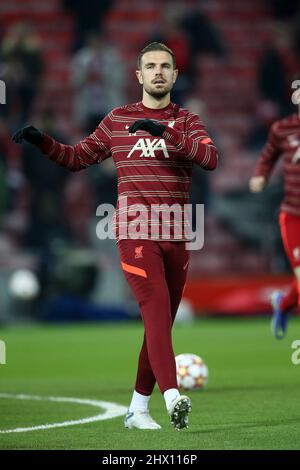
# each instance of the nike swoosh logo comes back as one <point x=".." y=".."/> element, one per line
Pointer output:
<point x="186" y="265"/>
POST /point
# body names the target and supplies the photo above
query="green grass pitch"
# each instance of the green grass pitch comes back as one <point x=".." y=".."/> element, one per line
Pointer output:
<point x="252" y="400"/>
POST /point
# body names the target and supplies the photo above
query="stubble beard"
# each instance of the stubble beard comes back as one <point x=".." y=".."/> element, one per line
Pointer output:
<point x="158" y="93"/>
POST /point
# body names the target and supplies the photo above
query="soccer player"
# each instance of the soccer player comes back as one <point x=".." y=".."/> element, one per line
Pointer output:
<point x="284" y="143"/>
<point x="154" y="144"/>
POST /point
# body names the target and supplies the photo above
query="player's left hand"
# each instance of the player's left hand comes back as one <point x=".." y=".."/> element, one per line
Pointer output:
<point x="149" y="125"/>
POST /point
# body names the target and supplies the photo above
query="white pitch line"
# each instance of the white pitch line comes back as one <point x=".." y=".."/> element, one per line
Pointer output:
<point x="112" y="410"/>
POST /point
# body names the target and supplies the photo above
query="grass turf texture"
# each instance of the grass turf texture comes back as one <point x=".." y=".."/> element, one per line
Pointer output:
<point x="251" y="401"/>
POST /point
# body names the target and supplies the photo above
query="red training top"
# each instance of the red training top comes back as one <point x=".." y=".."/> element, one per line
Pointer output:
<point x="151" y="170"/>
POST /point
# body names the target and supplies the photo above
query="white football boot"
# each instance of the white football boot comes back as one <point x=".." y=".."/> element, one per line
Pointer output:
<point x="179" y="411"/>
<point x="140" y="420"/>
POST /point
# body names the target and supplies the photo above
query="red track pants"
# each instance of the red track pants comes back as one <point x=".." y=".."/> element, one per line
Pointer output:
<point x="156" y="272"/>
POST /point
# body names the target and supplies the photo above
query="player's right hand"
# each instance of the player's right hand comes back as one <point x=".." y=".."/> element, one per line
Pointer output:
<point x="28" y="133"/>
<point x="257" y="184"/>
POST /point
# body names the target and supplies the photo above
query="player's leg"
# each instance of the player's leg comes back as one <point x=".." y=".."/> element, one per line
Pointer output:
<point x="176" y="262"/>
<point x="143" y="266"/>
<point x="283" y="304"/>
<point x="289" y="299"/>
<point x="145" y="274"/>
<point x="145" y="379"/>
<point x="175" y="278"/>
<point x="145" y="382"/>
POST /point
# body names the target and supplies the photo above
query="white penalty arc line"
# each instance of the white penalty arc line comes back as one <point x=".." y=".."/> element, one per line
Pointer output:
<point x="111" y="410"/>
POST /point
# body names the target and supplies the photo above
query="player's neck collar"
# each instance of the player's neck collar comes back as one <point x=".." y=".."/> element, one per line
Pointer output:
<point x="154" y="110"/>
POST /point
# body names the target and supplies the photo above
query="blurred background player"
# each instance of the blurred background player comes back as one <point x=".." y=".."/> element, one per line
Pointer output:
<point x="151" y="171"/>
<point x="284" y="143"/>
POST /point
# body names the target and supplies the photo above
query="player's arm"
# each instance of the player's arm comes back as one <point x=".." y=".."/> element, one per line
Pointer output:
<point x="266" y="161"/>
<point x="93" y="149"/>
<point x="194" y="144"/>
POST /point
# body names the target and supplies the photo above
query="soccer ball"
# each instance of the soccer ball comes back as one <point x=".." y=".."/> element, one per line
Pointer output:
<point x="192" y="372"/>
<point x="24" y="285"/>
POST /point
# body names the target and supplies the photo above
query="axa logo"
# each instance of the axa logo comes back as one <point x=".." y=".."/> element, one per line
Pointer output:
<point x="148" y="147"/>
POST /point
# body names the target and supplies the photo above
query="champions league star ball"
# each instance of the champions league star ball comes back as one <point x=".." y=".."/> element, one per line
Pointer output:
<point x="192" y="372"/>
<point x="24" y="285"/>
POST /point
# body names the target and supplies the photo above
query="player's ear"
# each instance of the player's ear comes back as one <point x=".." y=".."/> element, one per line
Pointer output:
<point x="139" y="76"/>
<point x="175" y="75"/>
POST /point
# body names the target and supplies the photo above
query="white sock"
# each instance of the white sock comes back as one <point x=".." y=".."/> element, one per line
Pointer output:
<point x="170" y="395"/>
<point x="139" y="402"/>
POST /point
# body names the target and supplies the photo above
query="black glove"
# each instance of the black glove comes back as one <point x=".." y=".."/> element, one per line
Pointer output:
<point x="149" y="125"/>
<point x="30" y="134"/>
